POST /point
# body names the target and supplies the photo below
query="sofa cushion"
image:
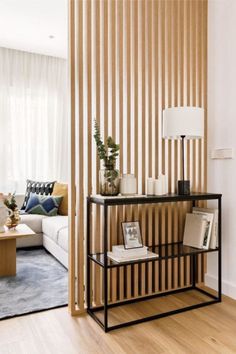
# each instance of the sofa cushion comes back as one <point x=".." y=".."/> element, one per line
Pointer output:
<point x="63" y="239"/>
<point x="61" y="189"/>
<point x="54" y="225"/>
<point x="43" y="188"/>
<point x="43" y="204"/>
<point x="33" y="221"/>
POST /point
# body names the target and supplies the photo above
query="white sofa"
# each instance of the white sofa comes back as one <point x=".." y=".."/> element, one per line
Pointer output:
<point x="51" y="233"/>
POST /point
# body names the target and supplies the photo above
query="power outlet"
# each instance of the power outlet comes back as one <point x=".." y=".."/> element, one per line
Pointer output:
<point x="222" y="154"/>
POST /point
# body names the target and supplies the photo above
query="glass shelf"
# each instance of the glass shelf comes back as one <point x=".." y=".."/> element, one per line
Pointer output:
<point x="166" y="251"/>
<point x="147" y="199"/>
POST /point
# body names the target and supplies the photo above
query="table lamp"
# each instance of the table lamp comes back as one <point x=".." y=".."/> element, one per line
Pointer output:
<point x="183" y="123"/>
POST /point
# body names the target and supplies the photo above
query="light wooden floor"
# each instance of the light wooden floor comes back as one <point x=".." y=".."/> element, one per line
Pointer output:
<point x="208" y="330"/>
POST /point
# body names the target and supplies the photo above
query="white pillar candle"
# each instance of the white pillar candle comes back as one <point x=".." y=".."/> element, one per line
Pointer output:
<point x="150" y="186"/>
<point x="164" y="183"/>
<point x="158" y="186"/>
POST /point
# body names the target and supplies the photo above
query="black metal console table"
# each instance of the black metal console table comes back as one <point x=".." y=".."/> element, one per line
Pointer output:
<point x="164" y="251"/>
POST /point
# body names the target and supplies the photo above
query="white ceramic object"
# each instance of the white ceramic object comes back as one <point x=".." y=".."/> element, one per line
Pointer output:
<point x="158" y="186"/>
<point x="3" y="217"/>
<point x="164" y="184"/>
<point x="150" y="186"/>
<point x="128" y="184"/>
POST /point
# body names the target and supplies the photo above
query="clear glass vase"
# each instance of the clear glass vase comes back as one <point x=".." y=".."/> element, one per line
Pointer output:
<point x="109" y="182"/>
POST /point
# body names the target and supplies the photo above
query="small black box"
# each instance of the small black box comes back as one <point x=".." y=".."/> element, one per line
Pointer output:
<point x="183" y="187"/>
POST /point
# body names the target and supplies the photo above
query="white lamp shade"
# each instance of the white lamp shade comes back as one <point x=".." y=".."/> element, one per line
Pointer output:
<point x="185" y="121"/>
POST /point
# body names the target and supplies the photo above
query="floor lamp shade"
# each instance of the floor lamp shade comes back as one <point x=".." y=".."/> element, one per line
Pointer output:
<point x="183" y="123"/>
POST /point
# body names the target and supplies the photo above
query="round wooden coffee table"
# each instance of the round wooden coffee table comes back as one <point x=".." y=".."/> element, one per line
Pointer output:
<point x="8" y="248"/>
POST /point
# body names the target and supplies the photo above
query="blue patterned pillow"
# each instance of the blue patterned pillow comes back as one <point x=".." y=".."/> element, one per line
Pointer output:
<point x="43" y="188"/>
<point x="43" y="204"/>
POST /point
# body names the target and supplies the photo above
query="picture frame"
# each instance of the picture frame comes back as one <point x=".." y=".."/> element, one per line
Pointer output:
<point x="132" y="235"/>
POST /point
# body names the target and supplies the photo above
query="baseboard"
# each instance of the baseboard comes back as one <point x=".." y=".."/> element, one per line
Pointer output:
<point x="228" y="288"/>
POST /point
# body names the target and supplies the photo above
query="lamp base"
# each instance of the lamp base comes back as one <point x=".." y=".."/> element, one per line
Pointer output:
<point x="184" y="187"/>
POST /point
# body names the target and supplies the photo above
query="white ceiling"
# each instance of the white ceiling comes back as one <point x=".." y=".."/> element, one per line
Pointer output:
<point x="27" y="24"/>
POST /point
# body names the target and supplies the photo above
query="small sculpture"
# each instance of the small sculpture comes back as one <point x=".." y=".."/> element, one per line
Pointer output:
<point x="13" y="211"/>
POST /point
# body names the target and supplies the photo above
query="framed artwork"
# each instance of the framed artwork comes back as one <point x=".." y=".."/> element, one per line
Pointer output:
<point x="132" y="235"/>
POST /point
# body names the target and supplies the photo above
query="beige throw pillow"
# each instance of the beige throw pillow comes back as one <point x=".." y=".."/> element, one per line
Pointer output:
<point x="61" y="189"/>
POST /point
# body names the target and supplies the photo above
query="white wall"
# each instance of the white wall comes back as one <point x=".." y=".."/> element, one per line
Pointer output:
<point x="222" y="130"/>
<point x="27" y="25"/>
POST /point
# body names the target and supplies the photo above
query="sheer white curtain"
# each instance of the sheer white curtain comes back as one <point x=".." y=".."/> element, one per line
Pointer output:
<point x="33" y="119"/>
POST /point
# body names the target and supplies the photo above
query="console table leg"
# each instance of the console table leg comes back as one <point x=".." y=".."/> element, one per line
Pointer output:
<point x="193" y="258"/>
<point x="88" y="260"/>
<point x="105" y="269"/>
<point x="8" y="257"/>
<point x="220" y="251"/>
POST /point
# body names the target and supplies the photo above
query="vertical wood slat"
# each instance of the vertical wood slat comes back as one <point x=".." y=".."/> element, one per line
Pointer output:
<point x="76" y="196"/>
<point x="87" y="48"/>
<point x="72" y="224"/>
<point x="129" y="61"/>
<point x="78" y="185"/>
<point x="120" y="68"/>
<point x="149" y="118"/>
<point x="127" y="27"/>
<point x="135" y="62"/>
<point x="143" y="75"/>
<point x="97" y="32"/>
<point x="113" y="57"/>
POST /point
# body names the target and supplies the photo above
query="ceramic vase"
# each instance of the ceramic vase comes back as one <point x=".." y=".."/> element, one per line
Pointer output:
<point x="3" y="218"/>
<point x="128" y="185"/>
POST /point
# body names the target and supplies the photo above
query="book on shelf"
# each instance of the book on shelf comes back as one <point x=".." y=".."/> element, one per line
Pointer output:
<point x="195" y="231"/>
<point x="127" y="258"/>
<point x="214" y="230"/>
<point x="120" y="250"/>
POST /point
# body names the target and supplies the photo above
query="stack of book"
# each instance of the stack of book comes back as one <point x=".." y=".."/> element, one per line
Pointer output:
<point x="201" y="228"/>
<point x="120" y="254"/>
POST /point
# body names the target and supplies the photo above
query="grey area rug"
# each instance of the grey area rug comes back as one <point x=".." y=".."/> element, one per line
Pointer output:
<point x="41" y="283"/>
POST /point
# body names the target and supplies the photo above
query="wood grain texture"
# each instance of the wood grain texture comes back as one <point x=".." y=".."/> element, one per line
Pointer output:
<point x="132" y="59"/>
<point x="8" y="257"/>
<point x="208" y="330"/>
<point x="8" y="248"/>
<point x="71" y="199"/>
<point x="22" y="230"/>
<point x="76" y="193"/>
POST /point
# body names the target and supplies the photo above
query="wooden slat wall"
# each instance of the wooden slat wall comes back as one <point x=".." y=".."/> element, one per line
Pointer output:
<point x="130" y="60"/>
